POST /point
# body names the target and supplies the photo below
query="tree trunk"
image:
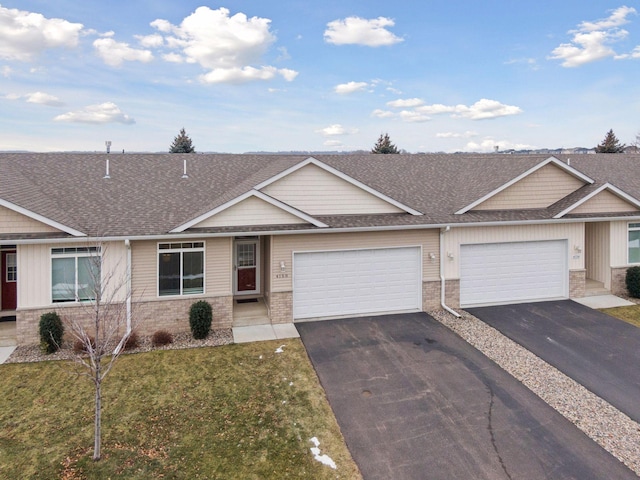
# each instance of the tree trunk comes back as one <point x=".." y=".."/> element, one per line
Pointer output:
<point x="96" y="437"/>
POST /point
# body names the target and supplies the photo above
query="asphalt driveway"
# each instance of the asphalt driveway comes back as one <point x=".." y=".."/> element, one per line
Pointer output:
<point x="415" y="401"/>
<point x="596" y="350"/>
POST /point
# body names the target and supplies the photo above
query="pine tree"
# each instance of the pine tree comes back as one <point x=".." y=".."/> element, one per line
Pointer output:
<point x="182" y="144"/>
<point x="384" y="145"/>
<point x="610" y="144"/>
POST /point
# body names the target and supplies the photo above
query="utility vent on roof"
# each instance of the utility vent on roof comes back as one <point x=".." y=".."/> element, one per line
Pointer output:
<point x="106" y="175"/>
<point x="184" y="170"/>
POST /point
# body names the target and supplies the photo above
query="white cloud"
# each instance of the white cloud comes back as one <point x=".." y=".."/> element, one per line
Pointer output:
<point x="246" y="74"/>
<point x="350" y="87"/>
<point x="592" y="40"/>
<point x="489" y="144"/>
<point x="360" y="31"/>
<point x="6" y="71"/>
<point x="333" y="143"/>
<point x="150" y="41"/>
<point x="382" y="113"/>
<point x="467" y="134"/>
<point x="107" y="112"/>
<point x="115" y="53"/>
<point x="23" y="35"/>
<point x="230" y="47"/>
<point x="413" y="116"/>
<point x="406" y="103"/>
<point x="44" y="99"/>
<point x="336" y="130"/>
<point x="481" y="110"/>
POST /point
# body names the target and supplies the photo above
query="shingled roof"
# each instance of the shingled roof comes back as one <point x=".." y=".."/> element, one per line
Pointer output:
<point x="146" y="196"/>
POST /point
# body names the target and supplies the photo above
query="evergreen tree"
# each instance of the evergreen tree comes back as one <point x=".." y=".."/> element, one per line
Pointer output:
<point x="182" y="144"/>
<point x="610" y="144"/>
<point x="384" y="145"/>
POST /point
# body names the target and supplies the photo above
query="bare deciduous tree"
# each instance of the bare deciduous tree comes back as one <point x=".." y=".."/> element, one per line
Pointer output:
<point x="104" y="325"/>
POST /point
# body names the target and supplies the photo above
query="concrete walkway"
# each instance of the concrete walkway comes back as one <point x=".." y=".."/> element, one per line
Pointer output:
<point x="7" y="340"/>
<point x="258" y="333"/>
<point x="603" y="301"/>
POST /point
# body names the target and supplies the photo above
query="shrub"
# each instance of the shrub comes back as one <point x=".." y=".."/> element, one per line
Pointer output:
<point x="51" y="332"/>
<point x="161" y="338"/>
<point x="200" y="319"/>
<point x="79" y="346"/>
<point x="132" y="342"/>
<point x="632" y="280"/>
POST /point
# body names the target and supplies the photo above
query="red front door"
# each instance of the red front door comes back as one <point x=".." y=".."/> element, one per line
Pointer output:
<point x="246" y="265"/>
<point x="9" y="272"/>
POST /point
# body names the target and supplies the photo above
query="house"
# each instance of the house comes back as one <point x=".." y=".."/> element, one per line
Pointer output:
<point x="312" y="237"/>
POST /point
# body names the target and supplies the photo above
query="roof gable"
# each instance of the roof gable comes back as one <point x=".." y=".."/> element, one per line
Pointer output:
<point x="15" y="219"/>
<point x="252" y="208"/>
<point x="319" y="189"/>
<point x="538" y="187"/>
<point x="605" y="199"/>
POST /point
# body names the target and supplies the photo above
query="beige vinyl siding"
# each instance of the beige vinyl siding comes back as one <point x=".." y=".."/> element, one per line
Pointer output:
<point x="218" y="267"/>
<point x="13" y="222"/>
<point x="619" y="243"/>
<point x="573" y="232"/>
<point x="318" y="192"/>
<point x="604" y="202"/>
<point x="598" y="252"/>
<point x="251" y="211"/>
<point x="34" y="274"/>
<point x="540" y="189"/>
<point x="282" y="248"/>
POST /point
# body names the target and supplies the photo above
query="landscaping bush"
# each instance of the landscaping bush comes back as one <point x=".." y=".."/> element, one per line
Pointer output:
<point x="632" y="280"/>
<point x="79" y="347"/>
<point x="161" y="338"/>
<point x="200" y="316"/>
<point x="51" y="332"/>
<point x="132" y="342"/>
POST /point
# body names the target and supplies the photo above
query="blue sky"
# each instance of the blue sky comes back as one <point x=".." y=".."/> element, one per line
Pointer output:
<point x="280" y="75"/>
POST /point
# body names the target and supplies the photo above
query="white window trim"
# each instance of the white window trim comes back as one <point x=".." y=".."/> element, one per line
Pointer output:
<point x="181" y="250"/>
<point x="631" y="229"/>
<point x="91" y="252"/>
<point x="14" y="265"/>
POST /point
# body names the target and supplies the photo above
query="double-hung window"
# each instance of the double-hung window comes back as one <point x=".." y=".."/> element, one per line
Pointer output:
<point x="634" y="243"/>
<point x="180" y="268"/>
<point x="75" y="274"/>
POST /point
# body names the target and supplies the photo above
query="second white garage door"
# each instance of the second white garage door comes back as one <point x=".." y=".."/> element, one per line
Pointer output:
<point x="356" y="282"/>
<point x="496" y="273"/>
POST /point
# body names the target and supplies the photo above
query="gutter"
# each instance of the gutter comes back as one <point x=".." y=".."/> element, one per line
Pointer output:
<point x="442" y="281"/>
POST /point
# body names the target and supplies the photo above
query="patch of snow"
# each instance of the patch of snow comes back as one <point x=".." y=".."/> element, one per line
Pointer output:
<point x="279" y="349"/>
<point x="291" y="384"/>
<point x="324" y="459"/>
<point x="315" y="441"/>
<point x="260" y="357"/>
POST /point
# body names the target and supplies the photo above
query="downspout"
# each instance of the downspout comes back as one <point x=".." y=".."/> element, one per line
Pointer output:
<point x="127" y="244"/>
<point x="442" y="281"/>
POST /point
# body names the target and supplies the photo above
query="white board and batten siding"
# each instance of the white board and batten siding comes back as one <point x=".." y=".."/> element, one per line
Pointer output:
<point x="501" y="273"/>
<point x="356" y="282"/>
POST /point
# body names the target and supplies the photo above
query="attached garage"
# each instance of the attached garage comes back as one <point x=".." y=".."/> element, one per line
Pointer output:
<point x="356" y="282"/>
<point x="499" y="273"/>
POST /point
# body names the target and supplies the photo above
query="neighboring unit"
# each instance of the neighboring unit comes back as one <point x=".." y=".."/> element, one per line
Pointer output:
<point x="311" y="238"/>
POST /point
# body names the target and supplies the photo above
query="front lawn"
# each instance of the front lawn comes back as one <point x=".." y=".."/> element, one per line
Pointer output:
<point x="629" y="314"/>
<point x="232" y="412"/>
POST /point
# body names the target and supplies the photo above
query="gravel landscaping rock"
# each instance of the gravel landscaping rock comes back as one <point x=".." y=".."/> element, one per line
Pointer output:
<point x="33" y="353"/>
<point x="603" y="423"/>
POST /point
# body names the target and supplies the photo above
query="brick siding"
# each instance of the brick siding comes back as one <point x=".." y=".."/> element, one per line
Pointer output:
<point x="577" y="282"/>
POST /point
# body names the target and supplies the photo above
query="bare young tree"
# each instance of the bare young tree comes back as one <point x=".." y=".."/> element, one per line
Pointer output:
<point x="104" y="323"/>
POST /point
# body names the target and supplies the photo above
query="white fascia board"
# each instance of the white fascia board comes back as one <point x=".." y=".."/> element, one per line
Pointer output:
<point x="607" y="186"/>
<point x="567" y="168"/>
<point x="341" y="175"/>
<point x="41" y="219"/>
<point x="244" y="196"/>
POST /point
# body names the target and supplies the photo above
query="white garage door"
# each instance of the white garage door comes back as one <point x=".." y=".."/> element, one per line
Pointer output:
<point x="356" y="282"/>
<point x="497" y="273"/>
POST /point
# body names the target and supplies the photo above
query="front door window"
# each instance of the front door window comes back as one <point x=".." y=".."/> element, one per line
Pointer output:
<point x="246" y="265"/>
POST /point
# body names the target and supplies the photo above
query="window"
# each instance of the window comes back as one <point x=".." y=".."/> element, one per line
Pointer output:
<point x="634" y="243"/>
<point x="11" y="274"/>
<point x="75" y="274"/>
<point x="180" y="268"/>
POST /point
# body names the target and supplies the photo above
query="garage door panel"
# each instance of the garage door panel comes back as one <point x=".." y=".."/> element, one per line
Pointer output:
<point x="513" y="272"/>
<point x="356" y="282"/>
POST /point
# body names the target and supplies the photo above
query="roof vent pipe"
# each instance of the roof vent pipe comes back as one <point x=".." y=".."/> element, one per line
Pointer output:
<point x="106" y="175"/>
<point x="184" y="169"/>
<point x="569" y="162"/>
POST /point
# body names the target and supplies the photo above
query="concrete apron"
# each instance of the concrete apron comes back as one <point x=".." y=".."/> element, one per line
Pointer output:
<point x="603" y="301"/>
